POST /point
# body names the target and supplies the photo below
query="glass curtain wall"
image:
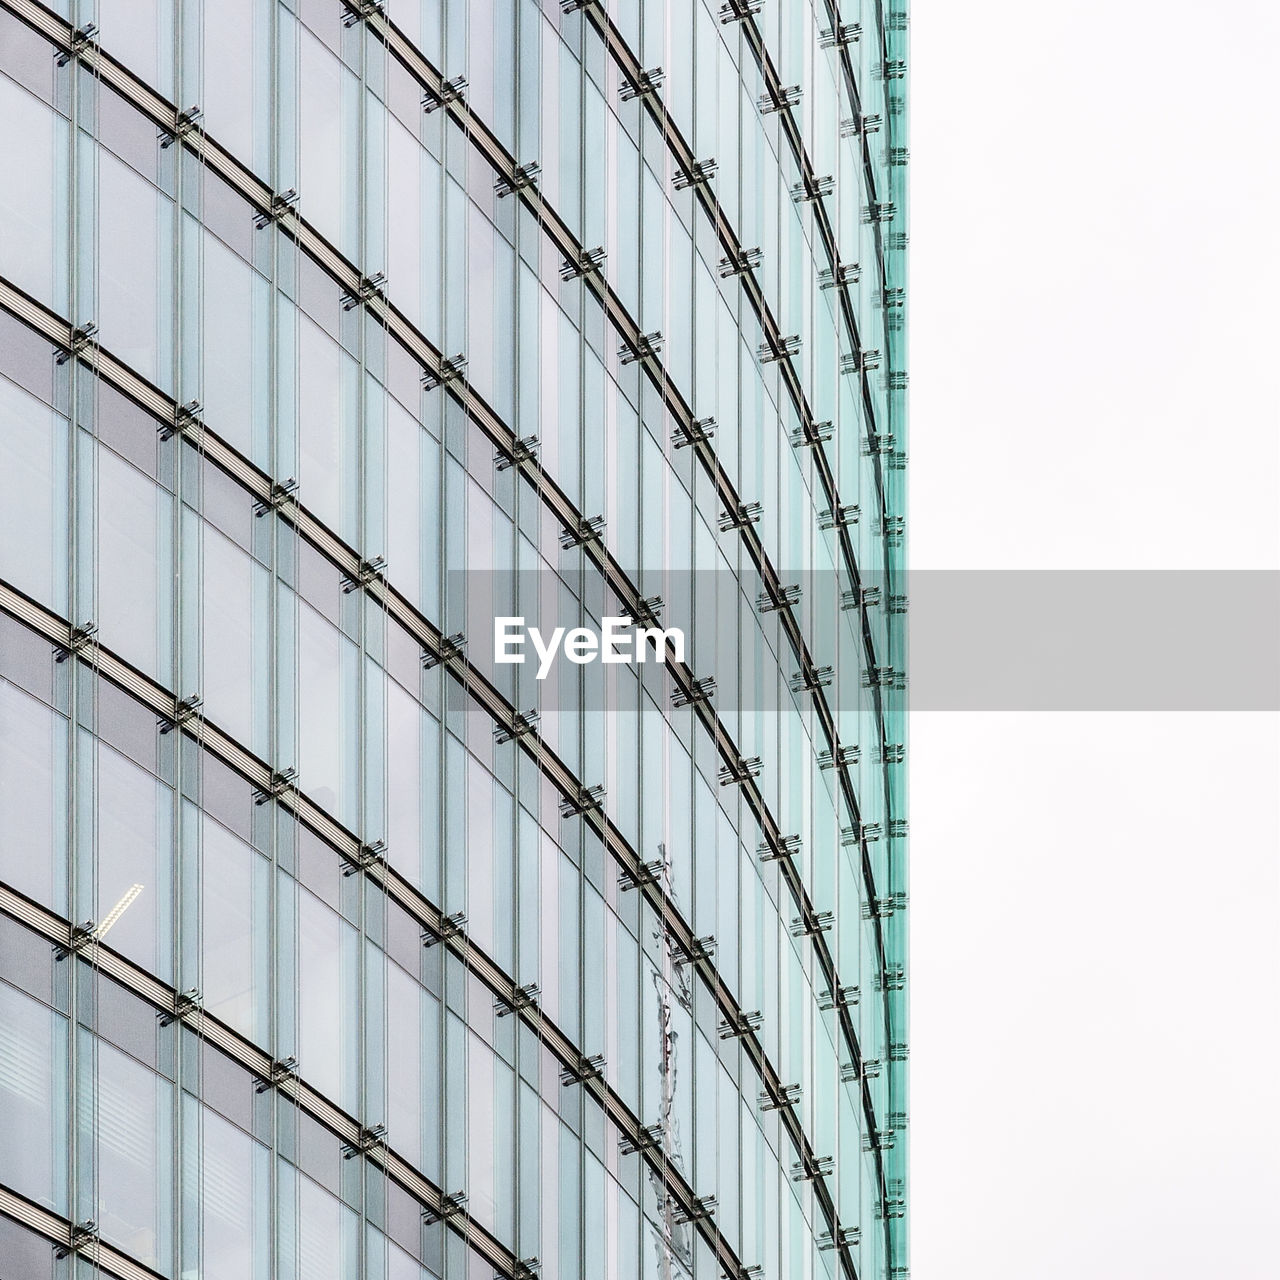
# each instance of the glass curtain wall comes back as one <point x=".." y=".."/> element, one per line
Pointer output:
<point x="329" y="329"/>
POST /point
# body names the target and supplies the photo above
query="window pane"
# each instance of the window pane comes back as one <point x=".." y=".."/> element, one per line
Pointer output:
<point x="134" y="841"/>
<point x="134" y="578"/>
<point x="33" y="143"/>
<point x="32" y="808"/>
<point x="127" y="1125"/>
<point x="33" y="487"/>
<point x="33" y="1094"/>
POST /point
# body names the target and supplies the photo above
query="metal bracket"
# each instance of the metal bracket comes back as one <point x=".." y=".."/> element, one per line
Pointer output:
<point x="787" y="847"/>
<point x="697" y="432"/>
<point x="645" y="874"/>
<point x="840" y="518"/>
<point x="360" y="10"/>
<point x="83" y="1237"/>
<point x="648" y="1138"/>
<point x="700" y="950"/>
<point x="370" y="287"/>
<point x="81" y="39"/>
<point x="811" y="188"/>
<point x="702" y="691"/>
<point x="522" y="450"/>
<point x="591" y="1068"/>
<point x="784" y="349"/>
<point x="451" y="369"/>
<point x="741" y="771"/>
<point x="787" y="1097"/>
<point x="846" y="273"/>
<point x="587" y="531"/>
<point x="82" y="336"/>
<point x="365" y="1141"/>
<point x="782" y="100"/>
<point x="185" y="1003"/>
<point x="811" y="926"/>
<point x="843" y="998"/>
<point x="812" y="434"/>
<point x="590" y="262"/>
<point x="523" y="997"/>
<point x="448" y="648"/>
<point x="840" y="1238"/>
<point x="644" y="84"/>
<point x="787" y="598"/>
<point x="739" y="517"/>
<point x="745" y="1024"/>
<point x="698" y="174"/>
<point x="450" y="926"/>
<point x="841" y="758"/>
<point x="739" y="10"/>
<point x="367" y="573"/>
<point x="648" y="346"/>
<point x="450" y="91"/>
<point x="699" y="1211"/>
<point x="522" y="724"/>
<point x="366" y="857"/>
<point x="813" y="1167"/>
<point x="283" y="204"/>
<point x="742" y="261"/>
<point x="184" y="709"/>
<point x="860" y="361"/>
<point x="78" y="640"/>
<point x="840" y="37"/>
<point x="644" y="613"/>
<point x="278" y="1073"/>
<point x="452" y="1203"/>
<point x="587" y="800"/>
<point x="277" y="497"/>
<point x="521" y="178"/>
<point x="183" y="123"/>
<point x="812" y="679"/>
<point x="185" y="417"/>
<point x="279" y="784"/>
<point x="856" y="1072"/>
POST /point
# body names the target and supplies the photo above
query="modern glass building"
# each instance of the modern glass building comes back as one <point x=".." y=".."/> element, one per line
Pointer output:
<point x="331" y="948"/>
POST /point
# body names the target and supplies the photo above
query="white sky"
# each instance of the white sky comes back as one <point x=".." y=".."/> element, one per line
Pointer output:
<point x="1095" y="898"/>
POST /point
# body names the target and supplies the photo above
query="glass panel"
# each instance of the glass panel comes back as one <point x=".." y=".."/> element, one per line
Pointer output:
<point x="33" y="749"/>
<point x="134" y="571"/>
<point x="234" y="884"/>
<point x="127" y="1125"/>
<point x="33" y="488"/>
<point x="133" y="840"/>
<point x="33" y="1099"/>
<point x="231" y="41"/>
<point x="33" y="143"/>
<point x="234" y="1199"/>
<point x="135" y="273"/>
<point x="140" y="34"/>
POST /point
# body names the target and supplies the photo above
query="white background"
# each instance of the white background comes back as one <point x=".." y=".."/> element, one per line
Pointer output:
<point x="1095" y="898"/>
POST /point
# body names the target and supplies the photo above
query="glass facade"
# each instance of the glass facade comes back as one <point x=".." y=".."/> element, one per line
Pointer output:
<point x="330" y="329"/>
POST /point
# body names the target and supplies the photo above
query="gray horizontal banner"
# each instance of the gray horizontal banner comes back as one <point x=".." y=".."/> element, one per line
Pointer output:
<point x="977" y="640"/>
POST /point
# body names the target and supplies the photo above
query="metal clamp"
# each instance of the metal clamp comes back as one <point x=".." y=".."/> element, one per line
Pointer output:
<point x="450" y="92"/>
